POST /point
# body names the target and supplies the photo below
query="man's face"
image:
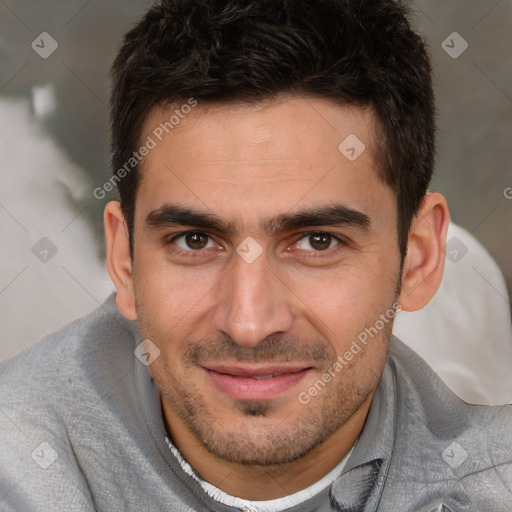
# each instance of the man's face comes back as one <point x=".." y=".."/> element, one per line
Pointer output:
<point x="261" y="252"/>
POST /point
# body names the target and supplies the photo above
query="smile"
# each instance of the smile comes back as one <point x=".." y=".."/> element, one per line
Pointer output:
<point x="255" y="383"/>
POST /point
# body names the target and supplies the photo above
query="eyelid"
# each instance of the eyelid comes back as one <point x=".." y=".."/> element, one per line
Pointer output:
<point x="342" y="241"/>
<point x="182" y="234"/>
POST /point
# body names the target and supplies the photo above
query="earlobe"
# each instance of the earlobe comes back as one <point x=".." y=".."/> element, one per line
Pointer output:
<point x="119" y="261"/>
<point x="424" y="262"/>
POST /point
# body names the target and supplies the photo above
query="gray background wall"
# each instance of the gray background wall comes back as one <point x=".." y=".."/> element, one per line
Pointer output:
<point x="54" y="144"/>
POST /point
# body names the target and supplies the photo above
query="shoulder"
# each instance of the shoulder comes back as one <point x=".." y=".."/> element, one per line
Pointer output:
<point x="75" y="365"/>
<point x="443" y="442"/>
<point x="75" y="350"/>
<point x="45" y="395"/>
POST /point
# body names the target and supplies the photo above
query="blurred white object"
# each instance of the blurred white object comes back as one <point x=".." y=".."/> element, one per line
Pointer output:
<point x="38" y="185"/>
<point x="465" y="332"/>
<point x="44" y="101"/>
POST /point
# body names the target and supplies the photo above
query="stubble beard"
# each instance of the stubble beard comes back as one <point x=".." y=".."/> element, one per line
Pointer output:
<point x="263" y="436"/>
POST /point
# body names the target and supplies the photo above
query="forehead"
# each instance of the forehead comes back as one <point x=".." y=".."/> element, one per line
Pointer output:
<point x="262" y="159"/>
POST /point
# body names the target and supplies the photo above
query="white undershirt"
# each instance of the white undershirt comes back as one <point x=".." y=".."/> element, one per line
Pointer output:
<point x="276" y="505"/>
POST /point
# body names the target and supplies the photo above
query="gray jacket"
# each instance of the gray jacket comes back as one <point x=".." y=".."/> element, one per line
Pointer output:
<point x="82" y="431"/>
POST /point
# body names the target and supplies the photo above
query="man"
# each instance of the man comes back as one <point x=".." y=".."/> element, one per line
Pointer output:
<point x="272" y="159"/>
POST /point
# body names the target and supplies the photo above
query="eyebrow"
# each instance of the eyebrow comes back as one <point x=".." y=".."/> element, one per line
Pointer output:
<point x="171" y="215"/>
<point x="337" y="215"/>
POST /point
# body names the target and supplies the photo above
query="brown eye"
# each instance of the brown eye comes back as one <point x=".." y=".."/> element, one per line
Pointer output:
<point x="196" y="240"/>
<point x="317" y="242"/>
<point x="320" y="241"/>
<point x="193" y="241"/>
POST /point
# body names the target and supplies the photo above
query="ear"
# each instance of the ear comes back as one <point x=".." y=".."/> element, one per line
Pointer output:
<point x="424" y="261"/>
<point x="119" y="261"/>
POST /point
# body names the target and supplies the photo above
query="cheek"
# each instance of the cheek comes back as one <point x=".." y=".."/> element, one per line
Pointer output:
<point x="171" y="294"/>
<point x="345" y="302"/>
<point x="172" y="307"/>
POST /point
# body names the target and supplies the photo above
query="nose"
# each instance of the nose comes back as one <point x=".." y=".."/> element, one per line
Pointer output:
<point x="252" y="303"/>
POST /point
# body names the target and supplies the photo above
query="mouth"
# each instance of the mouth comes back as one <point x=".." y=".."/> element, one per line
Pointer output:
<point x="255" y="382"/>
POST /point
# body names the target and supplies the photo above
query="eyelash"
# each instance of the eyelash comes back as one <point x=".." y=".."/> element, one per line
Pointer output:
<point x="190" y="253"/>
<point x="341" y="242"/>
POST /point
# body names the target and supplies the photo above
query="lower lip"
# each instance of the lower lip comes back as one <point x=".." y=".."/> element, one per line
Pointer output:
<point x="243" y="388"/>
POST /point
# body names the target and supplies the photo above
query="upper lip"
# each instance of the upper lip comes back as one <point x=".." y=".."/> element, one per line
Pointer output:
<point x="255" y="370"/>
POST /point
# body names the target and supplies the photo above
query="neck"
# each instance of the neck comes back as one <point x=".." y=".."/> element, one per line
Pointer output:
<point x="259" y="483"/>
